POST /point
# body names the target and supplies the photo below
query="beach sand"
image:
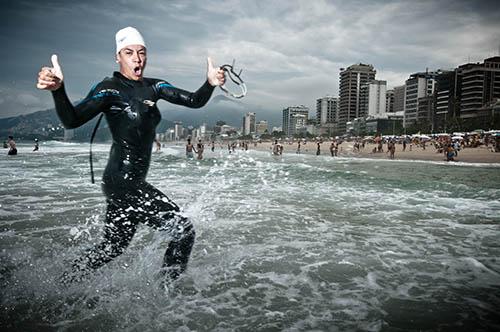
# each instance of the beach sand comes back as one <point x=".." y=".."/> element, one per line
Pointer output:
<point x="467" y="155"/>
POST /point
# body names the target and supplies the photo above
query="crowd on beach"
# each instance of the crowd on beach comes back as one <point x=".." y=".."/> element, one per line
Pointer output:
<point x="446" y="145"/>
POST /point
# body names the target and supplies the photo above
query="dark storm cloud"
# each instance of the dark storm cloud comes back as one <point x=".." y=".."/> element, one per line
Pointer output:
<point x="291" y="51"/>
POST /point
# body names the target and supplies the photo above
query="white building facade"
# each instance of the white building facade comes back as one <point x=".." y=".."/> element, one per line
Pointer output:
<point x="419" y="85"/>
<point x="249" y="123"/>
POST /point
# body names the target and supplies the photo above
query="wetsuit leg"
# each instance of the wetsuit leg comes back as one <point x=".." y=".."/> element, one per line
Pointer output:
<point x="179" y="248"/>
<point x="168" y="218"/>
<point x="119" y="230"/>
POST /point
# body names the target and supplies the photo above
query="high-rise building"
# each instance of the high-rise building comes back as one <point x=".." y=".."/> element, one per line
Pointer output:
<point x="201" y="132"/>
<point x="293" y="117"/>
<point x="249" y="123"/>
<point x="178" y="131"/>
<point x="417" y="86"/>
<point x="327" y="110"/>
<point x="425" y="109"/>
<point x="372" y="99"/>
<point x="389" y="101"/>
<point x="479" y="88"/>
<point x="446" y="103"/>
<point x="351" y="80"/>
<point x="399" y="98"/>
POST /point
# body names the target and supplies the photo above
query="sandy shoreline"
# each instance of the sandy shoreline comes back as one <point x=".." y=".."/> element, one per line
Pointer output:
<point x="467" y="155"/>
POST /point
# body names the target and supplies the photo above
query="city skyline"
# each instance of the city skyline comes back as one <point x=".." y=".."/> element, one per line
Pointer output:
<point x="291" y="53"/>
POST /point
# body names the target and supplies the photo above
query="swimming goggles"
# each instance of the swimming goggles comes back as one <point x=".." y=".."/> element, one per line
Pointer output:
<point x="235" y="77"/>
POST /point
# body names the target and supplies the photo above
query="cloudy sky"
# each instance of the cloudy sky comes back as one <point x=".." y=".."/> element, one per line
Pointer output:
<point x="290" y="51"/>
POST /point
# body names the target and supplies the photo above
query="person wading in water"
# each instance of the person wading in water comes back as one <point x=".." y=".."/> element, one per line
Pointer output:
<point x="128" y="102"/>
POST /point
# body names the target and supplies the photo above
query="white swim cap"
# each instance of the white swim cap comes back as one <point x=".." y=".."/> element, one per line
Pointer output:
<point x="128" y="36"/>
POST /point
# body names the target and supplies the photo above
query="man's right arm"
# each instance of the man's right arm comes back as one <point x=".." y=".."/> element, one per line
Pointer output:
<point x="52" y="79"/>
<point x="75" y="116"/>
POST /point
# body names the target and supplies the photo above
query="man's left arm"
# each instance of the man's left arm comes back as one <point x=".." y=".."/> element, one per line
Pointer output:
<point x="166" y="91"/>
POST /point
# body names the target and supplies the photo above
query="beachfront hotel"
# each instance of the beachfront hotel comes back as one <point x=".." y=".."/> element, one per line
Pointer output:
<point x="249" y="123"/>
<point x="351" y="80"/>
<point x="295" y="119"/>
<point x="418" y="85"/>
<point x="479" y="87"/>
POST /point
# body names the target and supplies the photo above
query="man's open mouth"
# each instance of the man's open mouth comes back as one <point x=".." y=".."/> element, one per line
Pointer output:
<point x="137" y="71"/>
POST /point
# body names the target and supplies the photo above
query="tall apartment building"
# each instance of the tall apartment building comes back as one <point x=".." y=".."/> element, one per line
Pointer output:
<point x="389" y="101"/>
<point x="425" y="109"/>
<point x="351" y="80"/>
<point x="202" y="131"/>
<point x="293" y="118"/>
<point x="479" y="87"/>
<point x="249" y="123"/>
<point x="372" y="99"/>
<point x="399" y="98"/>
<point x="417" y="86"/>
<point x="327" y="110"/>
<point x="447" y="95"/>
<point x="178" y="131"/>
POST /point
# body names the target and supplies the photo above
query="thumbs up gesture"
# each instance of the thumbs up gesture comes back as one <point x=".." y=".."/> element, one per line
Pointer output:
<point x="215" y="75"/>
<point x="50" y="78"/>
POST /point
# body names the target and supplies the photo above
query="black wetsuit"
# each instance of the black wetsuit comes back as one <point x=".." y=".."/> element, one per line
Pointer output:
<point x="132" y="115"/>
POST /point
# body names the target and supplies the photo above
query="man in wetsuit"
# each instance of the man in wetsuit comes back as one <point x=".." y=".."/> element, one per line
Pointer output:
<point x="128" y="102"/>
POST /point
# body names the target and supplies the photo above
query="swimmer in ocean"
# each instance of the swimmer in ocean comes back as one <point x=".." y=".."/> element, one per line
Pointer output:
<point x="12" y="146"/>
<point x="189" y="149"/>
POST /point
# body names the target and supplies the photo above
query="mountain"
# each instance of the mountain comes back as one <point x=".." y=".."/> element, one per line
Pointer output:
<point x="45" y="125"/>
<point x="41" y="124"/>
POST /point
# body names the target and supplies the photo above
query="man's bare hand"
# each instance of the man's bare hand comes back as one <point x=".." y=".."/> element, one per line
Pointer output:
<point x="215" y="75"/>
<point x="50" y="78"/>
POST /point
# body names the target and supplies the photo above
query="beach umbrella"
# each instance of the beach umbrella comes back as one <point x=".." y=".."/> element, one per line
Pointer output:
<point x="424" y="137"/>
<point x="457" y="137"/>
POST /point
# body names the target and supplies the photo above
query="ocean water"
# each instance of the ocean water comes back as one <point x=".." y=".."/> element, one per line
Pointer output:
<point x="297" y="243"/>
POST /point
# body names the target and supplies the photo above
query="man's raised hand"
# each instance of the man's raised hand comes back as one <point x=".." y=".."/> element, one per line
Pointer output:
<point x="215" y="75"/>
<point x="50" y="78"/>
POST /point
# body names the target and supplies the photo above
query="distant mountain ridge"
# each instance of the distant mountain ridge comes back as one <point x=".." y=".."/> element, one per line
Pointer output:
<point x="46" y="125"/>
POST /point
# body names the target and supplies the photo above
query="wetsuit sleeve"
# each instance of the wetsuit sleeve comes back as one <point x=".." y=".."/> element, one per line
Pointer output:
<point x="174" y="95"/>
<point x="74" y="116"/>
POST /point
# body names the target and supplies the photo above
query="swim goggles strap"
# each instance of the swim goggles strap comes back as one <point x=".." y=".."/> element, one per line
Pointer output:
<point x="235" y="77"/>
<point x="91" y="140"/>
